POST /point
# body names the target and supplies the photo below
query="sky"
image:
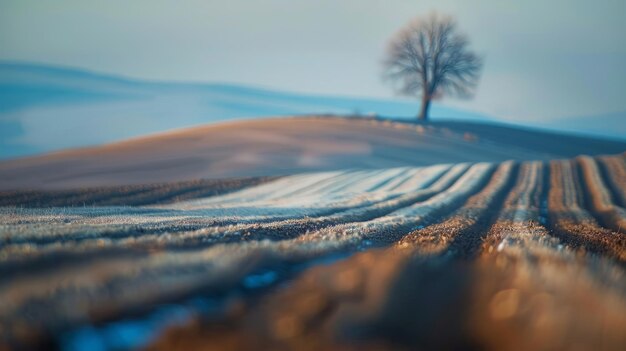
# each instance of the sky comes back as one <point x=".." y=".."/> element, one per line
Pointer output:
<point x="543" y="59"/>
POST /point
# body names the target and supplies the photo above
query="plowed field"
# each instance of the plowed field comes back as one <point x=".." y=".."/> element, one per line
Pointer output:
<point x="514" y="255"/>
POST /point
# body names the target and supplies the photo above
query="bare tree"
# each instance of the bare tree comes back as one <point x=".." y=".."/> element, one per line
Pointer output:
<point x="429" y="57"/>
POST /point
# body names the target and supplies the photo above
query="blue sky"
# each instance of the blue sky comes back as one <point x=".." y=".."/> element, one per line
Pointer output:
<point x="543" y="59"/>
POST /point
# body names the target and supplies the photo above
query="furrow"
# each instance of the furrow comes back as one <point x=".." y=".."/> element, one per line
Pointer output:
<point x="326" y="188"/>
<point x="125" y="195"/>
<point x="126" y="282"/>
<point x="416" y="181"/>
<point x="277" y="188"/>
<point x="40" y="227"/>
<point x="389" y="184"/>
<point x="357" y="182"/>
<point x="69" y="197"/>
<point x="599" y="198"/>
<point x="516" y="297"/>
<point x="374" y="183"/>
<point x="540" y="277"/>
<point x="460" y="232"/>
<point x="154" y="196"/>
<point x="570" y="222"/>
<point x="518" y="223"/>
<point x="55" y="224"/>
<point x="614" y="172"/>
<point x="69" y="250"/>
<point x="389" y="228"/>
<point x="43" y="226"/>
<point x="318" y="187"/>
<point x="129" y="197"/>
<point x="519" y="231"/>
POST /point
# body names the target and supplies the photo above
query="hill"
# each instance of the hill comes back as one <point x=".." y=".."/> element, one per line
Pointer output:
<point x="46" y="108"/>
<point x="291" y="145"/>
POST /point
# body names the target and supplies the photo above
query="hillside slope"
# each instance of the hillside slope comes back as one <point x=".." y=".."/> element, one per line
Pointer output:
<point x="287" y="146"/>
<point x="47" y="108"/>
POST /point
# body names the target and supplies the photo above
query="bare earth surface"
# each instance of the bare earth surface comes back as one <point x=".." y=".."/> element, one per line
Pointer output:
<point x="283" y="146"/>
<point x="500" y="255"/>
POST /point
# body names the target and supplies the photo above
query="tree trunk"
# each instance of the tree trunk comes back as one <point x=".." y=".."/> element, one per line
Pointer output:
<point x="423" y="116"/>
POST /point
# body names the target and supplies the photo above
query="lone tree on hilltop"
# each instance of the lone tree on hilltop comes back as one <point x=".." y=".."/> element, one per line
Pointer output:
<point x="429" y="57"/>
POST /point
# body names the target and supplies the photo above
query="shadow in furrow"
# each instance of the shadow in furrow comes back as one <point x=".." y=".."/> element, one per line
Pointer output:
<point x="610" y="184"/>
<point x="576" y="227"/>
<point x="606" y="214"/>
<point x="61" y="259"/>
<point x="129" y="195"/>
<point x="583" y="188"/>
<point x="467" y="243"/>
